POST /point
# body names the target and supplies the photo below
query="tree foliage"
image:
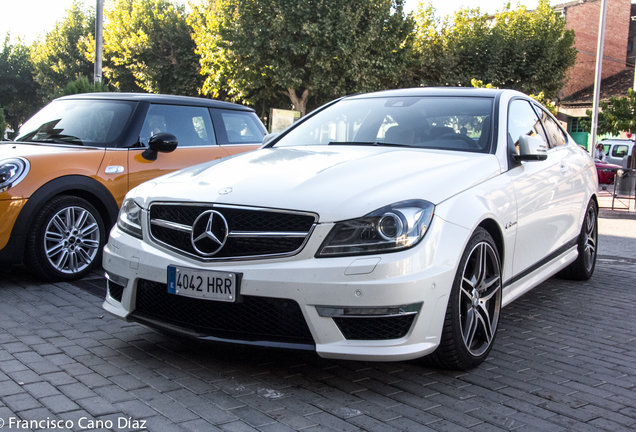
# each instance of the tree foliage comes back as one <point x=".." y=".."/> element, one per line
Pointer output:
<point x="261" y="49"/>
<point x="148" y="47"/>
<point x="61" y="57"/>
<point x="616" y="115"/>
<point x="3" y="124"/>
<point x="18" y="88"/>
<point x="82" y="85"/>
<point x="529" y="51"/>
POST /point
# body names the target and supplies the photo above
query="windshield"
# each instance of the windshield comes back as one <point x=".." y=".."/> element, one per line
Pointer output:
<point x="453" y="123"/>
<point x="78" y="122"/>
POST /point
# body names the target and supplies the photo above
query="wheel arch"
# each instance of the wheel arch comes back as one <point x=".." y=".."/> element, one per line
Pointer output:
<point x="74" y="185"/>
<point x="494" y="229"/>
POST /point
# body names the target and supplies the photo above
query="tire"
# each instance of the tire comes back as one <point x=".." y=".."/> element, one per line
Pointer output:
<point x="473" y="309"/>
<point x="583" y="268"/>
<point x="66" y="240"/>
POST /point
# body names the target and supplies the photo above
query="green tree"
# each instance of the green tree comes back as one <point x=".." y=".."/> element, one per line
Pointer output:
<point x="3" y="124"/>
<point x="148" y="47"/>
<point x="616" y="115"/>
<point x="18" y="88"/>
<point x="529" y="51"/>
<point x="62" y="57"/>
<point x="82" y="85"/>
<point x="253" y="50"/>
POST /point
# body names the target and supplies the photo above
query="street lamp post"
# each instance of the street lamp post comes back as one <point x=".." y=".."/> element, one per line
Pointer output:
<point x="597" y="78"/>
<point x="99" y="21"/>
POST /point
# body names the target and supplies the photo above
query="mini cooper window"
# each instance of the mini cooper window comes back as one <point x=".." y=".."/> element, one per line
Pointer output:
<point x="191" y="125"/>
<point x="78" y="122"/>
<point x="237" y="127"/>
<point x="419" y="122"/>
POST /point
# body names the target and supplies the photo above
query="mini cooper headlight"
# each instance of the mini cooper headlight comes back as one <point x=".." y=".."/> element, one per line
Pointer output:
<point x="392" y="228"/>
<point x="12" y="171"/>
<point x="129" y="219"/>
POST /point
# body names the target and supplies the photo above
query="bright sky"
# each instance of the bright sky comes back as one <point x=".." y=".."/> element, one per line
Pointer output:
<point x="31" y="19"/>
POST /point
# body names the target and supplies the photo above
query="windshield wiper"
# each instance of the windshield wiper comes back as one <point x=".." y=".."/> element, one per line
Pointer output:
<point x="62" y="139"/>
<point x="352" y="143"/>
<point x="374" y="143"/>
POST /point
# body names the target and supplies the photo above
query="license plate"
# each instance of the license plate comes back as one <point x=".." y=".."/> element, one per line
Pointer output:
<point x="203" y="284"/>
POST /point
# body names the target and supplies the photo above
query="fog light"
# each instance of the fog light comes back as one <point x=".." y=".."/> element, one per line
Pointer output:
<point x="361" y="312"/>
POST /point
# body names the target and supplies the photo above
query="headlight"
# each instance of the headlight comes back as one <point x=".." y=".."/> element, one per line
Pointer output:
<point x="12" y="171"/>
<point x="129" y="219"/>
<point x="389" y="229"/>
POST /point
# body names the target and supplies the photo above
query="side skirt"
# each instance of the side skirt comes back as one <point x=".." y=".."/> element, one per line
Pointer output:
<point x="525" y="281"/>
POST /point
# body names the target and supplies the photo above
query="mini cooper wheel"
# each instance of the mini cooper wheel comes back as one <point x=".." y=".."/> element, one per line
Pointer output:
<point x="583" y="268"/>
<point x="66" y="240"/>
<point x="472" y="314"/>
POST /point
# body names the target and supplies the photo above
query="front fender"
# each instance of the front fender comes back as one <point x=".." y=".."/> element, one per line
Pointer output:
<point x="82" y="186"/>
<point x="491" y="204"/>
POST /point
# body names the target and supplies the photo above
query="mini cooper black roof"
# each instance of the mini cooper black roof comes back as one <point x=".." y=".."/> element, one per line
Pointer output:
<point x="159" y="98"/>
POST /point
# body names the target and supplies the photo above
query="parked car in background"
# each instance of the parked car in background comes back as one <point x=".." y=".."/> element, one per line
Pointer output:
<point x="383" y="226"/>
<point x="64" y="177"/>
<point x="606" y="171"/>
<point x="616" y="150"/>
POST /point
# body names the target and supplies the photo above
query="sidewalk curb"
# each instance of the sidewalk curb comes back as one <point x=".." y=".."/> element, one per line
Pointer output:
<point x="616" y="214"/>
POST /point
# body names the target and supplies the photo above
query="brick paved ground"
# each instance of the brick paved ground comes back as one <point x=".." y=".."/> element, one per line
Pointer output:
<point x="565" y="359"/>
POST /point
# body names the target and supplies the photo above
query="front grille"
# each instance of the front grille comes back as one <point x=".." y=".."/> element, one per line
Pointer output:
<point x="381" y="328"/>
<point x="251" y="232"/>
<point x="253" y="319"/>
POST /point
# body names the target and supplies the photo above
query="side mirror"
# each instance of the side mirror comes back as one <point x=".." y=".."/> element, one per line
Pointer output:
<point x="269" y="138"/>
<point x="531" y="149"/>
<point x="162" y="142"/>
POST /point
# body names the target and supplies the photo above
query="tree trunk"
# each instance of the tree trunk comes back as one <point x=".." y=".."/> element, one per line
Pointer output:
<point x="300" y="103"/>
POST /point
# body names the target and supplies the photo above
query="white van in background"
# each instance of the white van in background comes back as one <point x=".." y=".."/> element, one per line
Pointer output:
<point x="616" y="149"/>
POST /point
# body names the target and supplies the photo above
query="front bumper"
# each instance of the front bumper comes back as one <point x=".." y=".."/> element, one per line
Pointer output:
<point x="341" y="300"/>
<point x="11" y="247"/>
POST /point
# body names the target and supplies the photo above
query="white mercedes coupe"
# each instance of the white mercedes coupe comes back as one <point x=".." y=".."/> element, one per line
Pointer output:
<point x="383" y="226"/>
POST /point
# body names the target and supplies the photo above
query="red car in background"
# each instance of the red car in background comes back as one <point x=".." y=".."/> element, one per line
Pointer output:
<point x="606" y="171"/>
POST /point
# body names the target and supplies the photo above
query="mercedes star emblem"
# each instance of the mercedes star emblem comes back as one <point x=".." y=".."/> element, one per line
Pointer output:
<point x="209" y="233"/>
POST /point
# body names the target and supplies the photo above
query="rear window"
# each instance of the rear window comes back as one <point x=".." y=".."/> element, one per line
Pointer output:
<point x="96" y="123"/>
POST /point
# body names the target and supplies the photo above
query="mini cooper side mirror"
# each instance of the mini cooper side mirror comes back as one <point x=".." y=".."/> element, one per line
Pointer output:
<point x="531" y="149"/>
<point x="162" y="142"/>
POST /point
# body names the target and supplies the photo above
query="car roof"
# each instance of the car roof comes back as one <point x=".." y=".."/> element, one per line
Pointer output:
<point x="159" y="98"/>
<point x="437" y="91"/>
<point x="616" y="141"/>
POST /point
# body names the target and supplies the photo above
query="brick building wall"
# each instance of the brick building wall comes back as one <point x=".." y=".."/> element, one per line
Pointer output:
<point x="583" y="17"/>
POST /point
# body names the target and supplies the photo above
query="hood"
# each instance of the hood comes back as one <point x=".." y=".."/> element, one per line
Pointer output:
<point x="48" y="162"/>
<point x="337" y="182"/>
<point x="27" y="150"/>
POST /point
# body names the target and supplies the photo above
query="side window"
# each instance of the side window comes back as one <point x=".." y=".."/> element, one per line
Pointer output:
<point x="619" y="151"/>
<point x="237" y="127"/>
<point x="191" y="125"/>
<point x="555" y="135"/>
<point x="523" y="120"/>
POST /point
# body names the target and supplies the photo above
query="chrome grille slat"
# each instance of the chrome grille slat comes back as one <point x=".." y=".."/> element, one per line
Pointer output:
<point x="252" y="233"/>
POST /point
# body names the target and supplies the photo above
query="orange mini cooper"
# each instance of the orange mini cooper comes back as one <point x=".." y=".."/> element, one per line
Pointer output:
<point x="64" y="177"/>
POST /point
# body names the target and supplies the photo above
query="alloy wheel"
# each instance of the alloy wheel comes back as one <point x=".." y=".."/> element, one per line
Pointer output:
<point x="590" y="234"/>
<point x="71" y="240"/>
<point x="480" y="298"/>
